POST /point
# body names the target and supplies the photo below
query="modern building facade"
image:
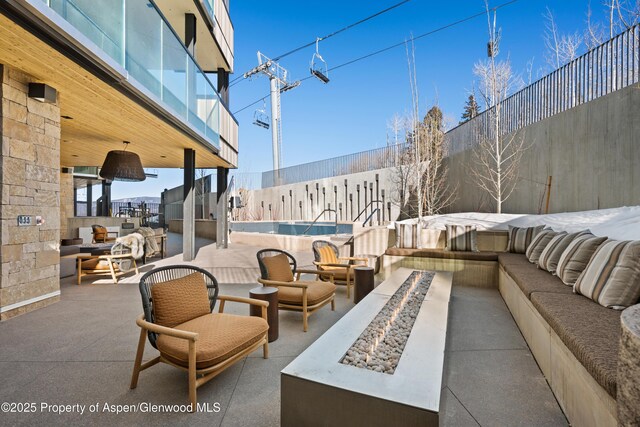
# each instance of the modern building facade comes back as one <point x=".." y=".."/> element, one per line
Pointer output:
<point x="79" y="77"/>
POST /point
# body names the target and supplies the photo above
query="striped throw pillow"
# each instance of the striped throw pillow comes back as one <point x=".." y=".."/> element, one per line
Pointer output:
<point x="408" y="236"/>
<point x="462" y="238"/>
<point x="575" y="258"/>
<point x="551" y="254"/>
<point x="538" y="244"/>
<point x="520" y="238"/>
<point x="612" y="278"/>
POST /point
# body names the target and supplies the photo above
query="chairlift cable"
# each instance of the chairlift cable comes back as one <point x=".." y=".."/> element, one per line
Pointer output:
<point x="348" y="27"/>
<point x="458" y="22"/>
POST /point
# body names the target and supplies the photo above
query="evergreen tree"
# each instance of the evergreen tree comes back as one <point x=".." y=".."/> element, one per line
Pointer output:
<point x="471" y="109"/>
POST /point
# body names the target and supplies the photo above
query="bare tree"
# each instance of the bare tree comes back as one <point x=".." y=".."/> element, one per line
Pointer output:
<point x="414" y="119"/>
<point x="561" y="48"/>
<point x="497" y="156"/>
<point x="436" y="193"/>
<point x="403" y="180"/>
<point x="620" y="15"/>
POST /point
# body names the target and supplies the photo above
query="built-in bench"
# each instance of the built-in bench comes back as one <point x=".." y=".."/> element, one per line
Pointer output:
<point x="574" y="340"/>
<point x="469" y="268"/>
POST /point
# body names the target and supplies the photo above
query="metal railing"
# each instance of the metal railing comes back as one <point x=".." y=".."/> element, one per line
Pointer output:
<point x="378" y="158"/>
<point x="613" y="65"/>
<point x="318" y="217"/>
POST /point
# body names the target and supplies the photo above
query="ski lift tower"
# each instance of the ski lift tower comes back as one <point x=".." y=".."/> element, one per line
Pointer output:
<point x="278" y="81"/>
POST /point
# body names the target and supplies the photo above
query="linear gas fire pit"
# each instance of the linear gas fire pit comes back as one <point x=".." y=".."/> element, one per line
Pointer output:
<point x="381" y="364"/>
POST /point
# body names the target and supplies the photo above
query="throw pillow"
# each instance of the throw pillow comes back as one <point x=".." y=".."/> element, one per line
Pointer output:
<point x="180" y="300"/>
<point x="462" y="238"/>
<point x="520" y="238"/>
<point x="551" y="254"/>
<point x="408" y="236"/>
<point x="612" y="278"/>
<point x="539" y="243"/>
<point x="575" y="258"/>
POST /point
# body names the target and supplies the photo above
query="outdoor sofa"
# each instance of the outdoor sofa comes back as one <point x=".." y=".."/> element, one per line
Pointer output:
<point x="575" y="341"/>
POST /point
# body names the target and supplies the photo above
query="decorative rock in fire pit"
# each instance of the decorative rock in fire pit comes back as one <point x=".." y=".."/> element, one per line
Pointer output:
<point x="380" y="346"/>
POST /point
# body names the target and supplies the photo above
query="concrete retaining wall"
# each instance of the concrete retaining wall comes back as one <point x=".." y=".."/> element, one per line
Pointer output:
<point x="591" y="151"/>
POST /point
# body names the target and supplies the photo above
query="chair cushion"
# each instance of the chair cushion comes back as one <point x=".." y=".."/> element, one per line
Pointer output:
<point x="612" y="277"/>
<point x="442" y="254"/>
<point x="278" y="268"/>
<point x="531" y="279"/>
<point x="520" y="238"/>
<point x="316" y="292"/>
<point x="553" y="251"/>
<point x="180" y="300"/>
<point x="538" y="244"/>
<point x="575" y="258"/>
<point x="461" y="238"/>
<point x="339" y="273"/>
<point x="95" y="264"/>
<point x="221" y="336"/>
<point x="327" y="255"/>
<point x="590" y="331"/>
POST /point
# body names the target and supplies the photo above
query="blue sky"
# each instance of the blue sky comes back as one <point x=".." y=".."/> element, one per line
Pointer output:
<point x="351" y="113"/>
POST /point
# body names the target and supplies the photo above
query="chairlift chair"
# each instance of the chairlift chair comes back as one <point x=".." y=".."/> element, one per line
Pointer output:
<point x="261" y="118"/>
<point x="318" y="66"/>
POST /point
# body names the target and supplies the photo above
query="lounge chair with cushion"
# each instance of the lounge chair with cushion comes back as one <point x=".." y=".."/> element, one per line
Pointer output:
<point x="102" y="235"/>
<point x="328" y="260"/>
<point x="277" y="269"/>
<point x="178" y="321"/>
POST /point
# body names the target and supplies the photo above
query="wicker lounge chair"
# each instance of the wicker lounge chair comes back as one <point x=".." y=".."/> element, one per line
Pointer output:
<point x="277" y="269"/>
<point x="328" y="260"/>
<point x="178" y="321"/>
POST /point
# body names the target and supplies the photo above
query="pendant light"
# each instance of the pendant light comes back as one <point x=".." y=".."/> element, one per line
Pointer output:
<point x="122" y="165"/>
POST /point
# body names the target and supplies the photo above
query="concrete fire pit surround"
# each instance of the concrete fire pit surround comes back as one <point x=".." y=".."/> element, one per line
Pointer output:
<point x="317" y="389"/>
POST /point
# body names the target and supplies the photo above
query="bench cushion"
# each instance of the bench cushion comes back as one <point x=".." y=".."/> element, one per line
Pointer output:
<point x="593" y="342"/>
<point x="508" y="258"/>
<point x="221" y="336"/>
<point x="530" y="279"/>
<point x="439" y="253"/>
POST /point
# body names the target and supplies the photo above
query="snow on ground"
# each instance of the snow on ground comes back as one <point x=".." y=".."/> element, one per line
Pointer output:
<point x="616" y="223"/>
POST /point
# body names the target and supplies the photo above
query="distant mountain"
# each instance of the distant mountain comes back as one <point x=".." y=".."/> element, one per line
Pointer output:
<point x="138" y="200"/>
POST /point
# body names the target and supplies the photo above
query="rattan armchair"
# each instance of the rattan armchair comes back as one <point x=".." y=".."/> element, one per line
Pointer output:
<point x="334" y="267"/>
<point x="278" y="268"/>
<point x="178" y="321"/>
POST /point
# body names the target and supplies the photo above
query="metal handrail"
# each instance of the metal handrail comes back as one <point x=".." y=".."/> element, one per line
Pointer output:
<point x="367" y="207"/>
<point x="370" y="217"/>
<point x="318" y="217"/>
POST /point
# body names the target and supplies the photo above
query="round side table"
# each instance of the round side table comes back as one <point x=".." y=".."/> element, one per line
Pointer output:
<point x="270" y="295"/>
<point x="364" y="282"/>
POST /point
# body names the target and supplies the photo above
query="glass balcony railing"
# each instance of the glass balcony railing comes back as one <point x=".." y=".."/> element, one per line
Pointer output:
<point x="136" y="35"/>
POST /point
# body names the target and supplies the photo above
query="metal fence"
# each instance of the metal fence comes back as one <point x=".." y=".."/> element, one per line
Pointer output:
<point x="613" y="65"/>
<point x="364" y="161"/>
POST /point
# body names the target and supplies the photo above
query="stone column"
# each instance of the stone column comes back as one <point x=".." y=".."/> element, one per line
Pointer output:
<point x="629" y="368"/>
<point x="29" y="186"/>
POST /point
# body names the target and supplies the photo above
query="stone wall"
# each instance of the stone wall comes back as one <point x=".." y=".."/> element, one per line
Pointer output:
<point x="66" y="204"/>
<point x="29" y="185"/>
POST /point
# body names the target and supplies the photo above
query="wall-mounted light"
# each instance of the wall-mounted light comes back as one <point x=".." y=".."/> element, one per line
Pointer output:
<point x="43" y="93"/>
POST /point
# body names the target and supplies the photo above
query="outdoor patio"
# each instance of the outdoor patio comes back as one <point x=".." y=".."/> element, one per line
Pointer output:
<point x="81" y="351"/>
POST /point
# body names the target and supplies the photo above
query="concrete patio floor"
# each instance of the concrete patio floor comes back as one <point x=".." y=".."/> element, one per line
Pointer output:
<point x="81" y="351"/>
